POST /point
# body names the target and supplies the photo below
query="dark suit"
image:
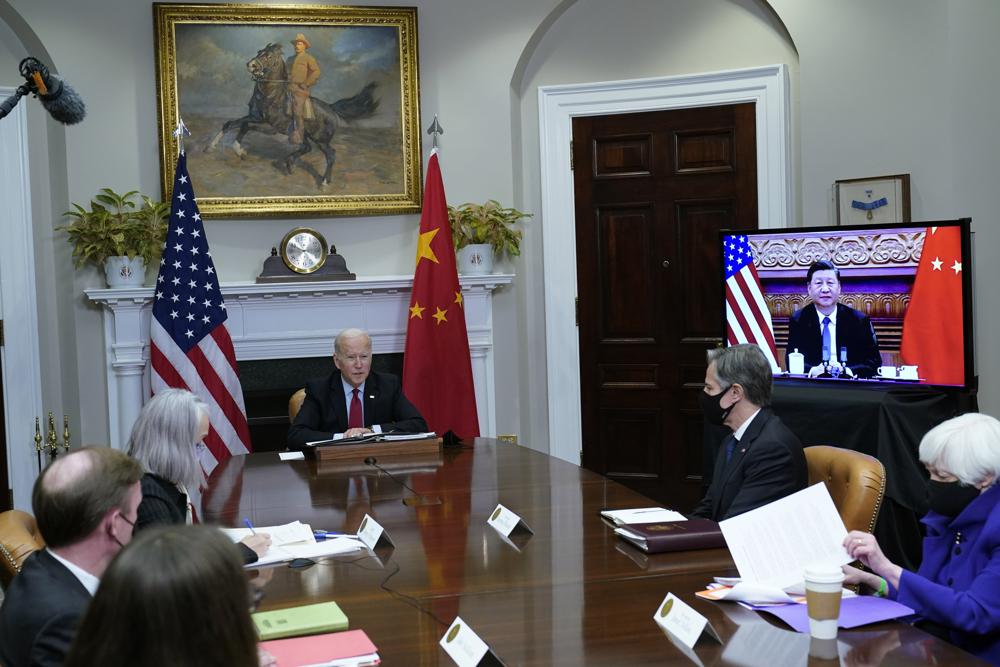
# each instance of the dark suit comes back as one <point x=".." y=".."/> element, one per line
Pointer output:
<point x="767" y="464"/>
<point x="854" y="331"/>
<point x="163" y="504"/>
<point x="40" y="614"/>
<point x="324" y="410"/>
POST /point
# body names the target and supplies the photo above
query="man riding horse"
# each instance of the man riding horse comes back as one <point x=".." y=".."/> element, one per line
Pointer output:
<point x="281" y="94"/>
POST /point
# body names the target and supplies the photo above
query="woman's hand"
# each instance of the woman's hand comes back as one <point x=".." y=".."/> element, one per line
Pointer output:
<point x="259" y="542"/>
<point x="863" y="547"/>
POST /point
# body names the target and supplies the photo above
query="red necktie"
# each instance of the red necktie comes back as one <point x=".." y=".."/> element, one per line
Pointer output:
<point x="355" y="420"/>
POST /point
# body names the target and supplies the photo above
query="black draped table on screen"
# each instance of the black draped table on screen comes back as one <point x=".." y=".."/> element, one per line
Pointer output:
<point x="885" y="421"/>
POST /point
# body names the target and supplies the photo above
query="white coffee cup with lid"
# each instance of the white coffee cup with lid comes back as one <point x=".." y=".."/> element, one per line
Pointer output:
<point x="824" y="584"/>
<point x="908" y="372"/>
<point x="887" y="372"/>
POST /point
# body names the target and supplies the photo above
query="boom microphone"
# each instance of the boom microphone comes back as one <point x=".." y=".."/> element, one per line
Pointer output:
<point x="58" y="98"/>
<point x="416" y="499"/>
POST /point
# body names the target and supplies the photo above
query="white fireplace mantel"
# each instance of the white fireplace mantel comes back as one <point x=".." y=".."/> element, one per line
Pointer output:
<point x="290" y="320"/>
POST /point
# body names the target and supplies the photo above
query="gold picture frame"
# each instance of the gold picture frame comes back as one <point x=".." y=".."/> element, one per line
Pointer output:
<point x="230" y="65"/>
<point x="879" y="200"/>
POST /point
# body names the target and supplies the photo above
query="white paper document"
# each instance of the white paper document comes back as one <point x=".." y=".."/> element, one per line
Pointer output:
<point x="642" y="515"/>
<point x="773" y="544"/>
<point x="291" y="456"/>
<point x="295" y="540"/>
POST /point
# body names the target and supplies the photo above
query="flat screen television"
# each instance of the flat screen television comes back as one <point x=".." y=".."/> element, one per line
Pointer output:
<point x="886" y="304"/>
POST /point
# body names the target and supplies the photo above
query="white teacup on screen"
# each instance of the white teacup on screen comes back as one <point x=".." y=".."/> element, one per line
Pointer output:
<point x="908" y="372"/>
<point x="886" y="371"/>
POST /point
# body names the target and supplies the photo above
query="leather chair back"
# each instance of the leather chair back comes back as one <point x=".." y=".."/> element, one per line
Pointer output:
<point x="295" y="404"/>
<point x="19" y="537"/>
<point x="856" y="483"/>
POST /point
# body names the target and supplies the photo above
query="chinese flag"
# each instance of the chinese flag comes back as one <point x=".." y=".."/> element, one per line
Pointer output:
<point x="932" y="327"/>
<point x="437" y="370"/>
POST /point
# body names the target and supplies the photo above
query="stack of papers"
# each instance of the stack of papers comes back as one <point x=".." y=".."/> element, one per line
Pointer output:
<point x="371" y="437"/>
<point x="642" y="515"/>
<point x="296" y="540"/>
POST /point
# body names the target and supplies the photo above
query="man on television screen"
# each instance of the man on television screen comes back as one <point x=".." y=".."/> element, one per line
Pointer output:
<point x="829" y="334"/>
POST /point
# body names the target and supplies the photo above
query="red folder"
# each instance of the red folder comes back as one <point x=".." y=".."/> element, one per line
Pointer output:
<point x="317" y="649"/>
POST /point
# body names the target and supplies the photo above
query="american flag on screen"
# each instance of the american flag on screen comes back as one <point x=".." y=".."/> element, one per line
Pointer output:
<point x="747" y="317"/>
<point x="191" y="348"/>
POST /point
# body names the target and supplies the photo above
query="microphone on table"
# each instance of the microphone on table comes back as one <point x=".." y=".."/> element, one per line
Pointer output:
<point x="59" y="99"/>
<point x="416" y="500"/>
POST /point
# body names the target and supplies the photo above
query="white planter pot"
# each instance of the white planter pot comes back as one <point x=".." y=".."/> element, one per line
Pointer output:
<point x="120" y="271"/>
<point x="476" y="259"/>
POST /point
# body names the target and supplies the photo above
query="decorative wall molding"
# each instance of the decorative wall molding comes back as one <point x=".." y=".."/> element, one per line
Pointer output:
<point x="854" y="251"/>
<point x="21" y="356"/>
<point x="874" y="304"/>
<point x="291" y="320"/>
<point x="766" y="87"/>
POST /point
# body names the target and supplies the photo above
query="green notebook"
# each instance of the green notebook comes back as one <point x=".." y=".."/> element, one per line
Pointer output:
<point x="294" y="621"/>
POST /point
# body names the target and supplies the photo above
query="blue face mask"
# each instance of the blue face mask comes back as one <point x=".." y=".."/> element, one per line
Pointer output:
<point x="949" y="498"/>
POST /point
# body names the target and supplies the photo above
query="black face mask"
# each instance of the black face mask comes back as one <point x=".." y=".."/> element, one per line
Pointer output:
<point x="950" y="498"/>
<point x="711" y="406"/>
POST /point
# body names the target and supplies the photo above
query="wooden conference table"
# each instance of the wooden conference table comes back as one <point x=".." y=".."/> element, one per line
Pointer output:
<point x="570" y="594"/>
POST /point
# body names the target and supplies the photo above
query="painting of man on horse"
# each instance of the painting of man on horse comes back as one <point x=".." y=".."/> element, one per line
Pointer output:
<point x="281" y="103"/>
<point x="321" y="111"/>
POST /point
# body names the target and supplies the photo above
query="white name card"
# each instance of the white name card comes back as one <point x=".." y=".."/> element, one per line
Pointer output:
<point x="372" y="533"/>
<point x="504" y="521"/>
<point x="463" y="645"/>
<point x="682" y="622"/>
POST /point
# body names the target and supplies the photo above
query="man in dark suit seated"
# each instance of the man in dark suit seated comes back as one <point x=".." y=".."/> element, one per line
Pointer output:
<point x="825" y="330"/>
<point x="353" y="400"/>
<point x="761" y="461"/>
<point x="85" y="504"/>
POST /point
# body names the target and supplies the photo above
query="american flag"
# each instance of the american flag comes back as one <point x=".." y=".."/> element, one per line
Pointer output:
<point x="191" y="348"/>
<point x="747" y="317"/>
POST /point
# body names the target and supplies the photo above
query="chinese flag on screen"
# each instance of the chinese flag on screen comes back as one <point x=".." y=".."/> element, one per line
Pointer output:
<point x="437" y="370"/>
<point x="932" y="327"/>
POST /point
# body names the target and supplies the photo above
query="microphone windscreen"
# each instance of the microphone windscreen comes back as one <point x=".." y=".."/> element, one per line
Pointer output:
<point x="63" y="103"/>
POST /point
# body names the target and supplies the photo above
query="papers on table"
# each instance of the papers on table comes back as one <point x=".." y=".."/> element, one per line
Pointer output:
<point x="339" y="438"/>
<point x="642" y="515"/>
<point x="291" y="456"/>
<point x="773" y="544"/>
<point x="295" y="540"/>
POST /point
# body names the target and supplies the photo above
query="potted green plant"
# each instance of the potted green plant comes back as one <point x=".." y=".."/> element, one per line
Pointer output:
<point x="118" y="234"/>
<point x="482" y="231"/>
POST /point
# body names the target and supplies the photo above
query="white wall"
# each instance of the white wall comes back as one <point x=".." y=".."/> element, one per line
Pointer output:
<point x="875" y="89"/>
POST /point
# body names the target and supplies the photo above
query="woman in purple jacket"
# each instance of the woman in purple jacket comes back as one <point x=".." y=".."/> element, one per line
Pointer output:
<point x="956" y="591"/>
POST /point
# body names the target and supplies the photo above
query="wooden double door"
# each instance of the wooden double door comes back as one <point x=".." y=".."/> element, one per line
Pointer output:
<point x="652" y="192"/>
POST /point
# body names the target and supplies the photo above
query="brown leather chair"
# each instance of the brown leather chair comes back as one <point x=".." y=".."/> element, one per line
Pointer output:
<point x="19" y="537"/>
<point x="295" y="404"/>
<point x="856" y="483"/>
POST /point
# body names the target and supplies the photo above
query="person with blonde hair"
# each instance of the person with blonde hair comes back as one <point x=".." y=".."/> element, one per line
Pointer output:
<point x="177" y="596"/>
<point x="956" y="590"/>
<point x="165" y="440"/>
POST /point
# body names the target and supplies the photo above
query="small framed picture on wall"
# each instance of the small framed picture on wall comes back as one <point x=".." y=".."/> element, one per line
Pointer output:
<point x="873" y="201"/>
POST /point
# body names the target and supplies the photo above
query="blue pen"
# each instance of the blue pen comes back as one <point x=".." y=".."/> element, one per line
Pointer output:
<point x="321" y="535"/>
<point x="250" y="526"/>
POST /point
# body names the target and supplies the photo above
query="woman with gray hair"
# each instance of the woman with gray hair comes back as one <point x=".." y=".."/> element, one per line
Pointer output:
<point x="165" y="441"/>
<point x="956" y="591"/>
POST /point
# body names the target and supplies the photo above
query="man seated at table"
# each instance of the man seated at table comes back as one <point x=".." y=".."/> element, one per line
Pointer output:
<point x="353" y="400"/>
<point x="85" y="504"/>
<point x="761" y="461"/>
<point x="823" y="330"/>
